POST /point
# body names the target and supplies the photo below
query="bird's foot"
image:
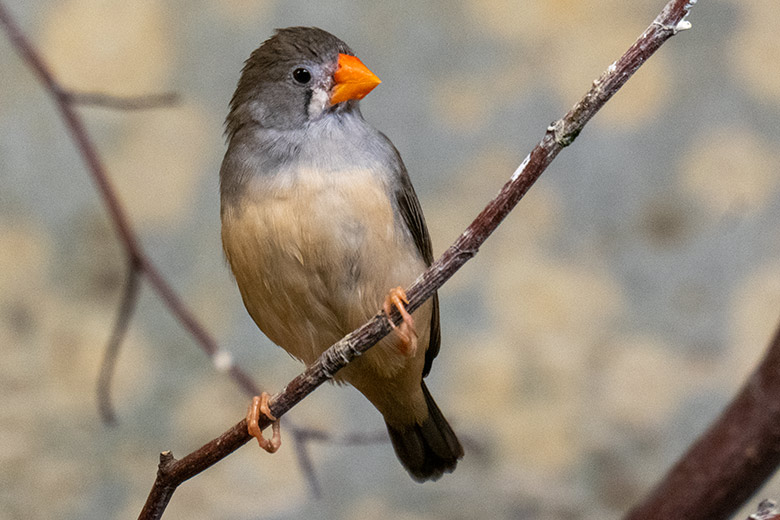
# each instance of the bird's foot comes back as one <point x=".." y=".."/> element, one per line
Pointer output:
<point x="406" y="331"/>
<point x="260" y="405"/>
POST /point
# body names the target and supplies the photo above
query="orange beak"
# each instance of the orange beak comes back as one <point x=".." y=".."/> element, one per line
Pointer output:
<point x="353" y="80"/>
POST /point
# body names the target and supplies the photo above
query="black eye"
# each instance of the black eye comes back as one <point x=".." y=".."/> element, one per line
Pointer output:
<point x="302" y="76"/>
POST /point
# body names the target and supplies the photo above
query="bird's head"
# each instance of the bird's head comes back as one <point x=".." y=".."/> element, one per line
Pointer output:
<point x="298" y="75"/>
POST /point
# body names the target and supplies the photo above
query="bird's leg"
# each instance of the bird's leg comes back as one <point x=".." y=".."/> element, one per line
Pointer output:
<point x="260" y="405"/>
<point x="406" y="331"/>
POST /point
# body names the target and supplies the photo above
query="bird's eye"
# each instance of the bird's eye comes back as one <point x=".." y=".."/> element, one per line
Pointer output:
<point x="301" y="75"/>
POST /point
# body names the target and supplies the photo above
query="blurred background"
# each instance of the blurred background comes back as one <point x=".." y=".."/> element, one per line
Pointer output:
<point x="597" y="333"/>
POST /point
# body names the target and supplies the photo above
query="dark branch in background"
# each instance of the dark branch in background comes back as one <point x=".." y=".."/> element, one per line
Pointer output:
<point x="138" y="262"/>
<point x="304" y="460"/>
<point x="729" y="462"/>
<point x="172" y="472"/>
<point x="107" y="367"/>
<point x="97" y="99"/>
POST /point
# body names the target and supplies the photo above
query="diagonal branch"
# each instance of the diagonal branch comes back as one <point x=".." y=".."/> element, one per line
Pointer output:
<point x="139" y="263"/>
<point x="136" y="256"/>
<point x="172" y="472"/>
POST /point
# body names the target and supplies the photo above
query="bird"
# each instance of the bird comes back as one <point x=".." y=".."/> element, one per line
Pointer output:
<point x="322" y="229"/>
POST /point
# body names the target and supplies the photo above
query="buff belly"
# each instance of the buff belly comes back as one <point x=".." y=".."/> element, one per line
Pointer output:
<point x="314" y="259"/>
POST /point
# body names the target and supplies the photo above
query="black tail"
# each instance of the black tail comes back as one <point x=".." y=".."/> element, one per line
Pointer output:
<point x="430" y="449"/>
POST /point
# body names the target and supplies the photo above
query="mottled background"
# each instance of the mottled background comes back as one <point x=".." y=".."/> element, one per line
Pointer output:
<point x="600" y="329"/>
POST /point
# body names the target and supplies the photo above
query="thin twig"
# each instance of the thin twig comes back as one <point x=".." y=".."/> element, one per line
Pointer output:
<point x="134" y="252"/>
<point x="101" y="100"/>
<point x="127" y="236"/>
<point x="141" y="264"/>
<point x="172" y="472"/>
<point x="107" y="367"/>
<point x="305" y="462"/>
<point x="353" y="439"/>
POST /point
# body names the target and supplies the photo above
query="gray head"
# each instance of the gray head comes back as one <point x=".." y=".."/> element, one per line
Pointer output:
<point x="289" y="81"/>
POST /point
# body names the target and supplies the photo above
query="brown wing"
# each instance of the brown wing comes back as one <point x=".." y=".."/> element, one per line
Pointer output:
<point x="415" y="222"/>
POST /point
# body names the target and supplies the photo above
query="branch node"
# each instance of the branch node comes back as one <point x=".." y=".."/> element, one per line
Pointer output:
<point x="166" y="456"/>
<point x="222" y="360"/>
<point x="562" y="137"/>
<point x="682" y="25"/>
<point x="352" y="347"/>
<point x="167" y="460"/>
<point x="325" y="367"/>
<point x="466" y="251"/>
<point x="767" y="510"/>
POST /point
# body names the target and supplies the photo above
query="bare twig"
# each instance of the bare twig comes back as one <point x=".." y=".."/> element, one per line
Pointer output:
<point x="561" y="133"/>
<point x="304" y="460"/>
<point x="731" y="460"/>
<point x="98" y="99"/>
<point x="124" y="313"/>
<point x="351" y="439"/>
<point x="172" y="472"/>
<point x="140" y="264"/>
<point x="136" y="256"/>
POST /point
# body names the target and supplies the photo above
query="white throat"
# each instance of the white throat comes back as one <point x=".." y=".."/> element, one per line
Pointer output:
<point x="320" y="99"/>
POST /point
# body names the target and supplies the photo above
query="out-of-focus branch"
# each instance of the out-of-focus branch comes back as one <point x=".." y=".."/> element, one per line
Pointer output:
<point x="98" y="99"/>
<point x="561" y="133"/>
<point x="137" y="258"/>
<point x="729" y="462"/>
<point x="124" y="313"/>
<point x="140" y="265"/>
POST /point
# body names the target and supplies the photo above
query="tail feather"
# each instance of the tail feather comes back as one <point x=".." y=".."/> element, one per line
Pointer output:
<point x="430" y="449"/>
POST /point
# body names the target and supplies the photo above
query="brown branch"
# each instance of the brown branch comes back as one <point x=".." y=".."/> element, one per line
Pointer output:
<point x="172" y="472"/>
<point x="729" y="462"/>
<point x="135" y="254"/>
<point x="124" y="313"/>
<point x="561" y="133"/>
<point x="99" y="99"/>
<point x="140" y="264"/>
<point x="304" y="459"/>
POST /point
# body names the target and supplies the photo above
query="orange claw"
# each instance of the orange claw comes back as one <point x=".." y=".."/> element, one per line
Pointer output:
<point x="260" y="405"/>
<point x="406" y="332"/>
